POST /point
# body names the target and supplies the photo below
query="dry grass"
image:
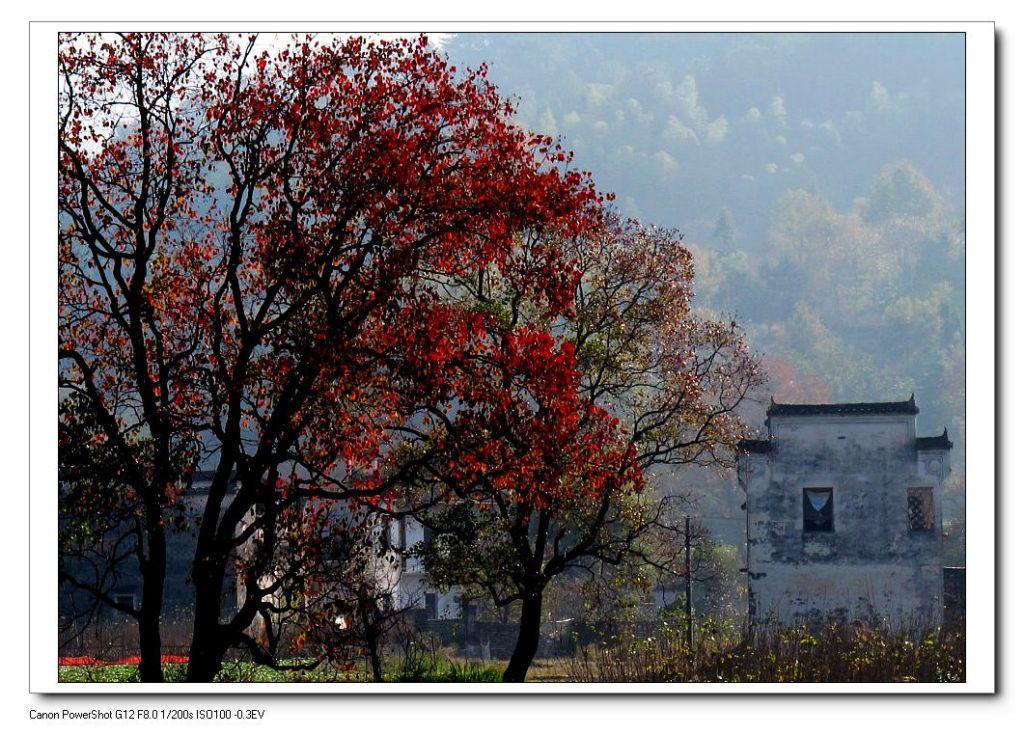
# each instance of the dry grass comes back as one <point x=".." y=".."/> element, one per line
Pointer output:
<point x="837" y="653"/>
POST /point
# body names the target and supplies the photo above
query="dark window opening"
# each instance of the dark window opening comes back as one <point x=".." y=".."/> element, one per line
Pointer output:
<point x="431" y="603"/>
<point x="818" y="510"/>
<point x="920" y="509"/>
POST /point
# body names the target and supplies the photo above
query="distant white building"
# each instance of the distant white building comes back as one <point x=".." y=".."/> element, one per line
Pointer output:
<point x="408" y="581"/>
<point x="844" y="515"/>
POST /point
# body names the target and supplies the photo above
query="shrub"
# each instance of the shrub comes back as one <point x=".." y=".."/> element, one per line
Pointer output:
<point x="833" y="653"/>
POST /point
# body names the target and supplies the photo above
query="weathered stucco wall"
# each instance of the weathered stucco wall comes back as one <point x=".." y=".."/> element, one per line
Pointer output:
<point x="409" y="583"/>
<point x="871" y="566"/>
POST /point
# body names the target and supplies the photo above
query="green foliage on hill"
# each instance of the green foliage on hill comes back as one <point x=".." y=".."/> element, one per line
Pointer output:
<point x="818" y="179"/>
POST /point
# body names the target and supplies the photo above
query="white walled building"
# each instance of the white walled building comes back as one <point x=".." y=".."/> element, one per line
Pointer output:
<point x="409" y="582"/>
<point x="844" y="515"/>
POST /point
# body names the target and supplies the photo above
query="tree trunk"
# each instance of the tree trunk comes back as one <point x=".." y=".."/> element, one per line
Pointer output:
<point x="375" y="664"/>
<point x="154" y="572"/>
<point x="527" y="642"/>
<point x="205" y="655"/>
<point x="209" y="566"/>
<point x="368" y="614"/>
<point x="204" y="661"/>
<point x="207" y="650"/>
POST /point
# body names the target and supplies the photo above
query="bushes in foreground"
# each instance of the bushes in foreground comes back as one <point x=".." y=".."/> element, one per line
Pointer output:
<point x="835" y="653"/>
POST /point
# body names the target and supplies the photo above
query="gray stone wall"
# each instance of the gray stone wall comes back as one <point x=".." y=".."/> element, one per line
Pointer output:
<point x="872" y="566"/>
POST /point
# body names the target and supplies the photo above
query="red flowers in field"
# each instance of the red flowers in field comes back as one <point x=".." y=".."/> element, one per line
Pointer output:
<point x="94" y="662"/>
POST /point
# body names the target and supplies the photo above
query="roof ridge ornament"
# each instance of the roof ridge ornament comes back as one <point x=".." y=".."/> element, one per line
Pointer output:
<point x="939" y="442"/>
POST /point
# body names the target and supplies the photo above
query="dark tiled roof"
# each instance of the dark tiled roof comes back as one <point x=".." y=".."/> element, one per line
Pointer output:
<point x="934" y="443"/>
<point x="885" y="407"/>
<point x="755" y="446"/>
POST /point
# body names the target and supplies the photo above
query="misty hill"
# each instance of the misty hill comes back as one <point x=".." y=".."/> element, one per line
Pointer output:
<point x="818" y="179"/>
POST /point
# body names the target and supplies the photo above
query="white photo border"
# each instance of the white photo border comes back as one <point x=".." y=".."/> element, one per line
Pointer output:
<point x="980" y="337"/>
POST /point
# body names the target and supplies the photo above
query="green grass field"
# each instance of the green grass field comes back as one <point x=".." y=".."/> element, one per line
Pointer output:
<point x="431" y="669"/>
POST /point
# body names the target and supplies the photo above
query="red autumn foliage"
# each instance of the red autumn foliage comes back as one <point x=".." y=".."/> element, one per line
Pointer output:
<point x="540" y="463"/>
<point x="256" y="255"/>
<point x="93" y="662"/>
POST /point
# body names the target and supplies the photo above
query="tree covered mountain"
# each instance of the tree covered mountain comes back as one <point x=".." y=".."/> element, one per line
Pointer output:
<point x="818" y="177"/>
<point x="819" y="181"/>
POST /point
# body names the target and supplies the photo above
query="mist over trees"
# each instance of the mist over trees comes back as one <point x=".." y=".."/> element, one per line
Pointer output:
<point x="680" y="125"/>
<point x="818" y="179"/>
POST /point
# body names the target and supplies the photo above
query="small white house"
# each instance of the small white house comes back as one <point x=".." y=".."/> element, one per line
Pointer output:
<point x="844" y="515"/>
<point x="409" y="582"/>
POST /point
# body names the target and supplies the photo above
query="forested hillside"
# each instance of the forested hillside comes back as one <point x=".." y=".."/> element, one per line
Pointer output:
<point x="818" y="179"/>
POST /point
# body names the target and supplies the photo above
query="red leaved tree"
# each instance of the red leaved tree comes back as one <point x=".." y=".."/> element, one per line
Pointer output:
<point x="254" y="253"/>
<point x="549" y="479"/>
<point x="135" y="262"/>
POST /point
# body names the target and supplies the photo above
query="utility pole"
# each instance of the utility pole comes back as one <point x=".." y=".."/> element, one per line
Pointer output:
<point x="689" y="590"/>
